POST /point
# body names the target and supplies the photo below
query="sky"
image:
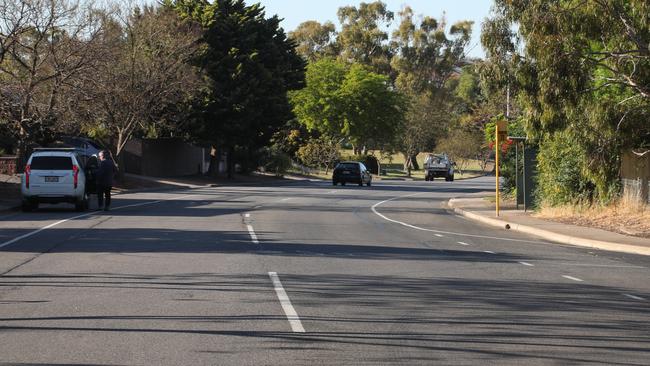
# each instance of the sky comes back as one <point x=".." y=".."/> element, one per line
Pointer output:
<point x="295" y="12"/>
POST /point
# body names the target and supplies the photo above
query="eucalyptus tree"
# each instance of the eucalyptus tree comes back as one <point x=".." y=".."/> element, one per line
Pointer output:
<point x="584" y="71"/>
<point x="364" y="35"/>
<point x="315" y="40"/>
<point x="425" y="59"/>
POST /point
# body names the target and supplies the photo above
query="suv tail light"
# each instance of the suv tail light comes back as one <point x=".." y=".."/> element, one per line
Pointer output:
<point x="28" y="170"/>
<point x="75" y="175"/>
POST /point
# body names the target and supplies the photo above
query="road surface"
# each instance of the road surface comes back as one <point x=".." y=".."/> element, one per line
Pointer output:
<point x="307" y="273"/>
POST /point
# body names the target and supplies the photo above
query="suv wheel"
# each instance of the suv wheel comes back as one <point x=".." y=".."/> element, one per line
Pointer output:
<point x="27" y="206"/>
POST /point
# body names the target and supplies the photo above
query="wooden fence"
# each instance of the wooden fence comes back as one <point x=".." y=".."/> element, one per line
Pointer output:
<point x="635" y="176"/>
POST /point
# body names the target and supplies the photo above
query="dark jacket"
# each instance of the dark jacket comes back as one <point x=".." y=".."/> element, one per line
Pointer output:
<point x="105" y="173"/>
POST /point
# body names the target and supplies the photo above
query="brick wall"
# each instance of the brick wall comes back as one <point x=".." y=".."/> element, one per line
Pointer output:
<point x="8" y="165"/>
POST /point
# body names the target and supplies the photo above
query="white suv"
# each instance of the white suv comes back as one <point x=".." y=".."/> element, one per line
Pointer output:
<point x="54" y="176"/>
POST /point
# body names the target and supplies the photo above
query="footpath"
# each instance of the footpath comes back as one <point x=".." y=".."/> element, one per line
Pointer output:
<point x="9" y="192"/>
<point x="478" y="209"/>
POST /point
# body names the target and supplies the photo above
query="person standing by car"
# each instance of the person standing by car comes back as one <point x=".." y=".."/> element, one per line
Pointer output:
<point x="104" y="179"/>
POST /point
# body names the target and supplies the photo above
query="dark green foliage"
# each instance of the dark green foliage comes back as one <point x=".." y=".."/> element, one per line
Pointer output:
<point x="584" y="73"/>
<point x="251" y="65"/>
<point x="275" y="161"/>
<point x="561" y="171"/>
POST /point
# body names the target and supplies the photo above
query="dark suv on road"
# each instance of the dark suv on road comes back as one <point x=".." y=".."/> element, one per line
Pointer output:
<point x="351" y="172"/>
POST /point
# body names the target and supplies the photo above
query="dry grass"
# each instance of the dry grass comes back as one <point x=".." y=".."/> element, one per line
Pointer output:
<point x="625" y="216"/>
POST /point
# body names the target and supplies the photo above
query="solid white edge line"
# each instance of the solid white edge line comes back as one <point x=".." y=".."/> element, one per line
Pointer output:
<point x="527" y="264"/>
<point x="572" y="278"/>
<point x="374" y="209"/>
<point x="252" y="234"/>
<point x="289" y="311"/>
<point x="85" y="215"/>
<point x="634" y="297"/>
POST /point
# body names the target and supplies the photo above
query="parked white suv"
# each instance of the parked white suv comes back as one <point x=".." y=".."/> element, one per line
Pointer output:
<point x="54" y="176"/>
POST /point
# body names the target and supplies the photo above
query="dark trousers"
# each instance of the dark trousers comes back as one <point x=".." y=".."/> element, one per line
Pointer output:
<point x="103" y="191"/>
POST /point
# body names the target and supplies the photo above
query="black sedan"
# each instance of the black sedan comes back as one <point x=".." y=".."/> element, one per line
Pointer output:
<point x="351" y="172"/>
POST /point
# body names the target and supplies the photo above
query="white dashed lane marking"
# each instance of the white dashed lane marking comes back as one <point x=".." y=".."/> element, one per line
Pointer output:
<point x="252" y="234"/>
<point x="289" y="311"/>
<point x="634" y="297"/>
<point x="572" y="278"/>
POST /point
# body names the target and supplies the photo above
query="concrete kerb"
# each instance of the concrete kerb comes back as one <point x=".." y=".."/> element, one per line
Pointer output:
<point x="549" y="235"/>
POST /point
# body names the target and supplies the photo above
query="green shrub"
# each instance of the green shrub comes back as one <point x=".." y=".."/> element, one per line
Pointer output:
<point x="276" y="161"/>
<point x="561" y="178"/>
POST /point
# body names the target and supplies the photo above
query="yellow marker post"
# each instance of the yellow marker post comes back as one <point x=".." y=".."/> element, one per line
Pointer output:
<point x="496" y="162"/>
<point x="501" y="132"/>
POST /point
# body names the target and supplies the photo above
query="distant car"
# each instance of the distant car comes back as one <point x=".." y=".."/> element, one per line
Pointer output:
<point x="54" y="176"/>
<point x="351" y="172"/>
<point x="439" y="165"/>
<point x="84" y="146"/>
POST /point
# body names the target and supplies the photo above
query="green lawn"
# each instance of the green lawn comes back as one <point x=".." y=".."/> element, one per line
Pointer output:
<point x="394" y="165"/>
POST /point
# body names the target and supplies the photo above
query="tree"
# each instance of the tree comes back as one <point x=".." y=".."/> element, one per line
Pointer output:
<point x="349" y="103"/>
<point x="424" y="61"/>
<point x="322" y="152"/>
<point x="423" y="125"/>
<point x="319" y="105"/>
<point x="374" y="110"/>
<point x="314" y="40"/>
<point x="45" y="46"/>
<point x="362" y="38"/>
<point x="251" y="65"/>
<point x="584" y="72"/>
<point x="462" y="145"/>
<point x="425" y="57"/>
<point x="145" y="78"/>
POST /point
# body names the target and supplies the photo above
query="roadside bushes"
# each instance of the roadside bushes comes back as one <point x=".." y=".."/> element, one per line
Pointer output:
<point x="561" y="167"/>
<point x="370" y="161"/>
<point x="319" y="153"/>
<point x="275" y="161"/>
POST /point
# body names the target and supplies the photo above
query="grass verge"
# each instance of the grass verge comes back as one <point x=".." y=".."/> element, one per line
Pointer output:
<point x="625" y="217"/>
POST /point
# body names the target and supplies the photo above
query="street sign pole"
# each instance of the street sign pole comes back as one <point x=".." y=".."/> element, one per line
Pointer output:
<point x="496" y="168"/>
<point x="501" y="132"/>
<point x="496" y="162"/>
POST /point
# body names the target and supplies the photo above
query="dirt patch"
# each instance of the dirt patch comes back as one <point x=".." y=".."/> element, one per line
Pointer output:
<point x="623" y="218"/>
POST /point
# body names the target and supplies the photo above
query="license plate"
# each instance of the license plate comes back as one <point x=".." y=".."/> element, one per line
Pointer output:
<point x="51" y="179"/>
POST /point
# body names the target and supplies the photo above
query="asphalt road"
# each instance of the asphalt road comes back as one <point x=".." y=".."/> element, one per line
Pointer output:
<point x="306" y="273"/>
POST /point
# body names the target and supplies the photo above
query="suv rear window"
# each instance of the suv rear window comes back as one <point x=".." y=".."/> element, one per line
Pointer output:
<point x="51" y="163"/>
